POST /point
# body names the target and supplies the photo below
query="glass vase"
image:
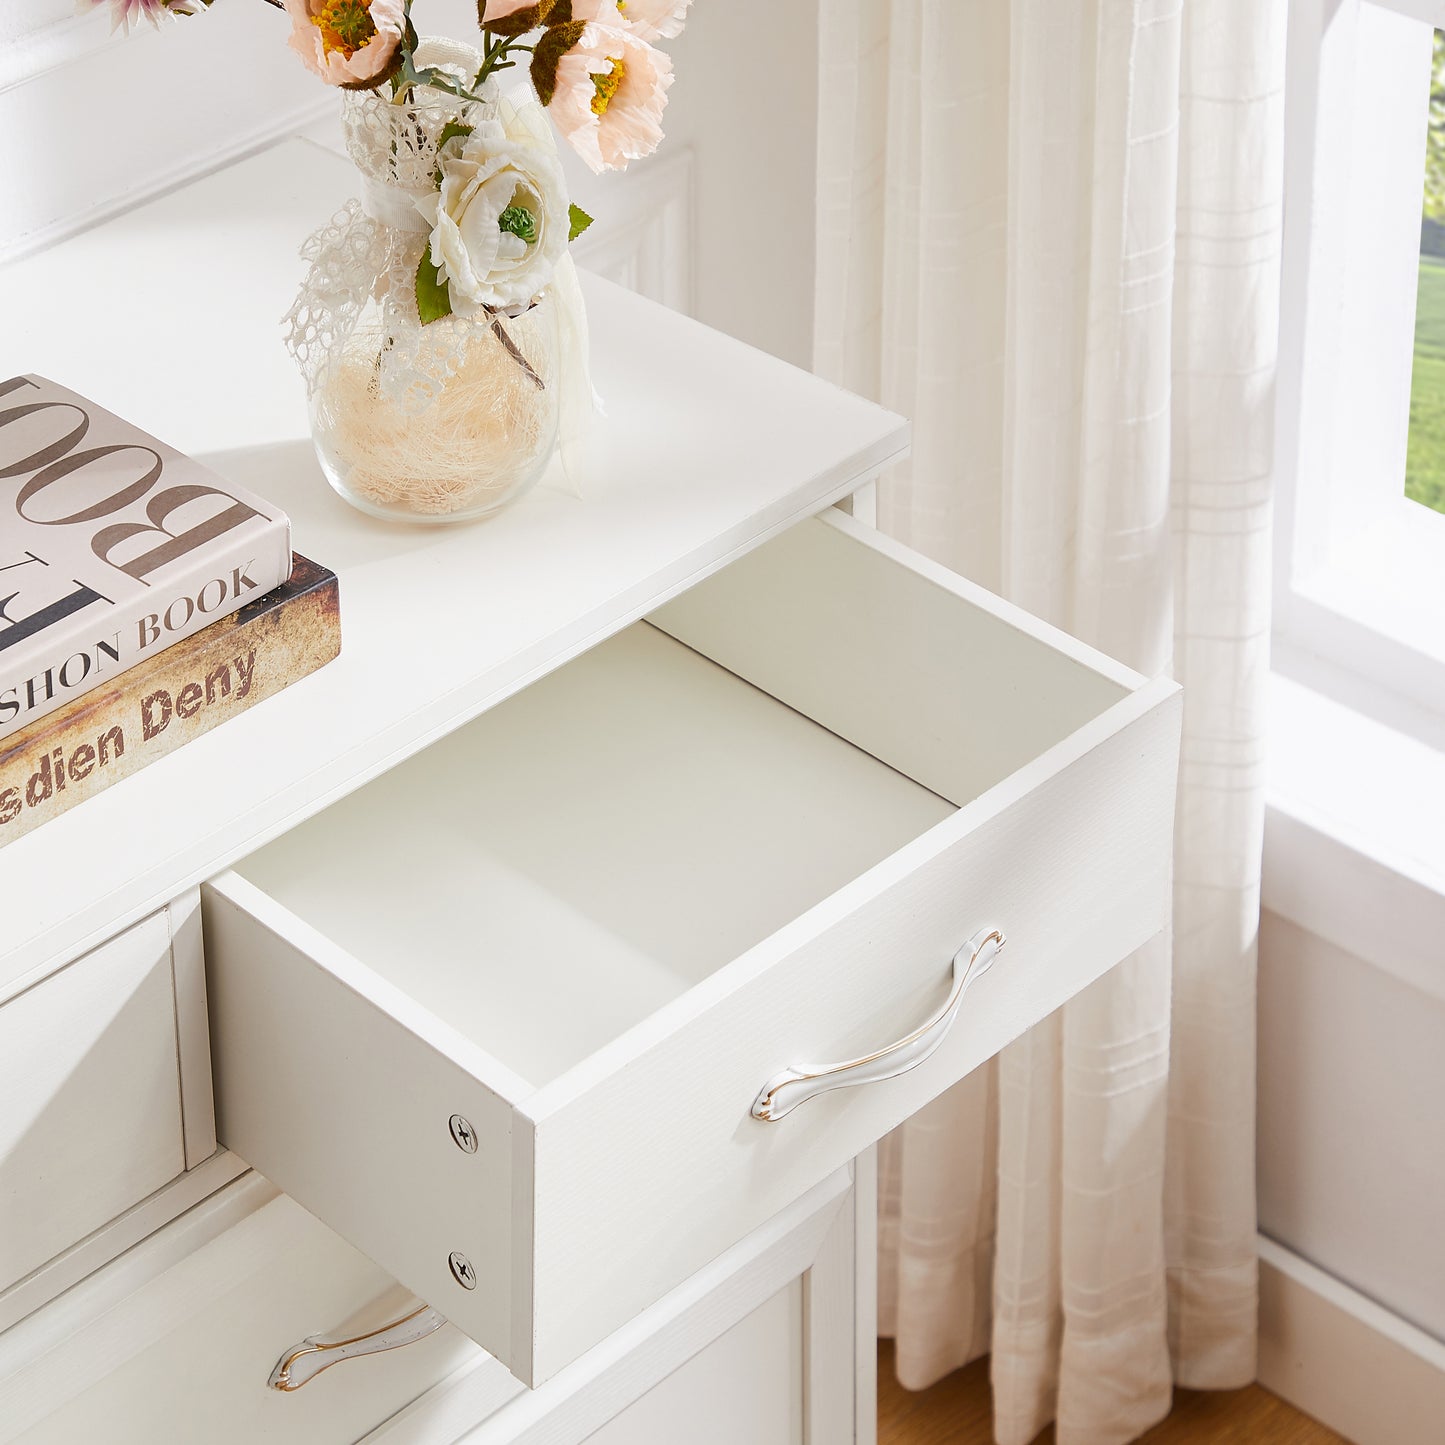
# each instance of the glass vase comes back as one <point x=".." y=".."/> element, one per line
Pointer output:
<point x="443" y="421"/>
<point x="472" y="443"/>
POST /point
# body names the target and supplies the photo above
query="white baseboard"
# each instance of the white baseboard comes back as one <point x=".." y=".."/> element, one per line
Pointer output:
<point x="1344" y="1359"/>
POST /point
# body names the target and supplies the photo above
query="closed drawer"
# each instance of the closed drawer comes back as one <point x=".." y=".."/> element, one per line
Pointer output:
<point x="105" y="1083"/>
<point x="743" y="1389"/>
<point x="747" y="834"/>
<point x="176" y="1342"/>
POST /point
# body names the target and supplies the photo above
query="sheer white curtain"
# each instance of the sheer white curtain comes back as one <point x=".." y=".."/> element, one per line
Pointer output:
<point x="1049" y="233"/>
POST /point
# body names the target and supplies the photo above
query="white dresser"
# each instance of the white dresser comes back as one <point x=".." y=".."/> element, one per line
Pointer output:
<point x="517" y="946"/>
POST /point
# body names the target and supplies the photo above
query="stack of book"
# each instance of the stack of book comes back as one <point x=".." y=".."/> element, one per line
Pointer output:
<point x="143" y="601"/>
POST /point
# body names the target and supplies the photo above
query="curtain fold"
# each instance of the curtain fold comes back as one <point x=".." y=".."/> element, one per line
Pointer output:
<point x="1050" y="235"/>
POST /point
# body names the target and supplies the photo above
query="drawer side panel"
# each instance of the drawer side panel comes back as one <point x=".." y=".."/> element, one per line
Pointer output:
<point x="344" y="1107"/>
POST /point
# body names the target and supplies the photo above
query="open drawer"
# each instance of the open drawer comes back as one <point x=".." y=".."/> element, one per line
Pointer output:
<point x="502" y="1016"/>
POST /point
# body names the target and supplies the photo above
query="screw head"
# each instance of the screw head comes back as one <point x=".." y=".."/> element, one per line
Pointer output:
<point x="463" y="1133"/>
<point x="462" y="1270"/>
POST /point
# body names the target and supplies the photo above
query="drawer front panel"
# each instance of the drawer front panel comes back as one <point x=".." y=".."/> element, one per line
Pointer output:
<point x="91" y="1084"/>
<point x="644" y="1174"/>
<point x="746" y="1386"/>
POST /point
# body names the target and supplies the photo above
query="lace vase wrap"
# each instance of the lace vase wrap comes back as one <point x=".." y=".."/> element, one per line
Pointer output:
<point x="437" y="419"/>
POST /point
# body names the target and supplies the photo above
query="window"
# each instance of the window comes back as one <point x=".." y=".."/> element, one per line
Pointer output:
<point x="1425" y="456"/>
<point x="1360" y="563"/>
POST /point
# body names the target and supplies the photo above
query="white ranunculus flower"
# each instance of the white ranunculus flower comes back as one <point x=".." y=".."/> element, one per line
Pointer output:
<point x="499" y="221"/>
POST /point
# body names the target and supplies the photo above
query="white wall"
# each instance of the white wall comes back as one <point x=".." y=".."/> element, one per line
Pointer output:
<point x="746" y="99"/>
<point x="1352" y="1121"/>
<point x="89" y="123"/>
<point x="38" y="34"/>
<point x="719" y="222"/>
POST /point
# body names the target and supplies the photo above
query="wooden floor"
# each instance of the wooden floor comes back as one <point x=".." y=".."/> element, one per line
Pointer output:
<point x="959" y="1411"/>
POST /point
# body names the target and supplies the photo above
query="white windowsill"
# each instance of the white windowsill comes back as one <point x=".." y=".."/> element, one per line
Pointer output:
<point x="1374" y="607"/>
<point x="1354" y="839"/>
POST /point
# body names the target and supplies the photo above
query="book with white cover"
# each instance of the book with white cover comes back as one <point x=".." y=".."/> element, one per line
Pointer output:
<point x="113" y="545"/>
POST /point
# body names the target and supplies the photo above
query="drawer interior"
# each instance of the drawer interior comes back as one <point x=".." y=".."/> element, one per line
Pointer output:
<point x="548" y="876"/>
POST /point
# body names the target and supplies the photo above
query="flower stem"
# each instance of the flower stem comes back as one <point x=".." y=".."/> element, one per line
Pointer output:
<point x="496" y="51"/>
<point x="515" y="352"/>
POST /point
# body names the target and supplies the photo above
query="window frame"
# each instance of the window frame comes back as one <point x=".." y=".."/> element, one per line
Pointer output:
<point x="1359" y="594"/>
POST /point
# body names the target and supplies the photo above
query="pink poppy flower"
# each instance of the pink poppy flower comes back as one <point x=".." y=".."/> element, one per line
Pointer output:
<point x="352" y="43"/>
<point x="604" y="12"/>
<point x="652" y="19"/>
<point x="515" y="17"/>
<point x="646" y="19"/>
<point x="500" y="9"/>
<point x="610" y="93"/>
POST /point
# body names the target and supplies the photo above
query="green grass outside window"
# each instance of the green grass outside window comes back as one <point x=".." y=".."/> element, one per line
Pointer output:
<point x="1425" y="457"/>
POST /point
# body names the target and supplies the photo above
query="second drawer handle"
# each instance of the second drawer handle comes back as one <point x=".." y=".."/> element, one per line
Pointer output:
<point x="785" y="1091"/>
<point x="315" y="1353"/>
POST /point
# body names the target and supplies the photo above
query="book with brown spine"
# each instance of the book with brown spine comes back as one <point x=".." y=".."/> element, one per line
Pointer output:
<point x="113" y="546"/>
<point x="156" y="706"/>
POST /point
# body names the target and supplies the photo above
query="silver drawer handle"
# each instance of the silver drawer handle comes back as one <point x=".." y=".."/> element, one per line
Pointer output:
<point x="785" y="1091"/>
<point x="315" y="1353"/>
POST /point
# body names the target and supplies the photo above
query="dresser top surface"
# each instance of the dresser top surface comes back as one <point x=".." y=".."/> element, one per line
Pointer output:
<point x="169" y="314"/>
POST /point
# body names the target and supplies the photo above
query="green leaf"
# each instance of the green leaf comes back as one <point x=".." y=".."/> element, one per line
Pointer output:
<point x="440" y="80"/>
<point x="409" y="76"/>
<point x="579" y="220"/>
<point x="450" y="129"/>
<point x="433" y="300"/>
